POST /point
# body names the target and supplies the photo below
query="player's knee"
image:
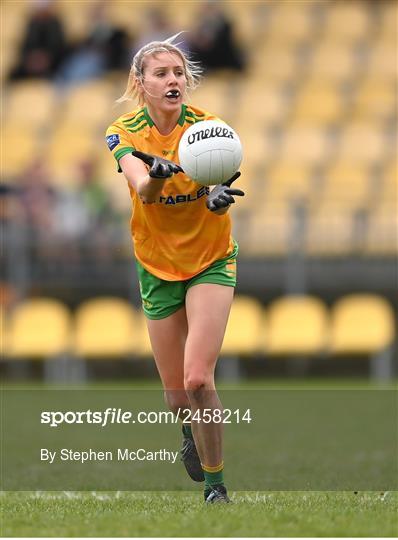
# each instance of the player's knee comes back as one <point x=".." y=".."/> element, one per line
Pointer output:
<point x="195" y="382"/>
<point x="176" y="400"/>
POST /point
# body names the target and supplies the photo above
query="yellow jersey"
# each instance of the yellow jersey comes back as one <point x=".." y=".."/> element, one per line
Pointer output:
<point x="175" y="237"/>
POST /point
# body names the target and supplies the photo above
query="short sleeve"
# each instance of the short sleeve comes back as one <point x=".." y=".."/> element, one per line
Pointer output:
<point x="118" y="142"/>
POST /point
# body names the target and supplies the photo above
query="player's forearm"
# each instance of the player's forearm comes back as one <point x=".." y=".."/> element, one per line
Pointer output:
<point x="149" y="189"/>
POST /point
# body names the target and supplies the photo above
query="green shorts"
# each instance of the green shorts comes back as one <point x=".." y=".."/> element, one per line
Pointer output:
<point x="161" y="298"/>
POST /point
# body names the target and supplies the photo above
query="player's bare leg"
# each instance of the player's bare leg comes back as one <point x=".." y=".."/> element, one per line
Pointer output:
<point x="206" y="328"/>
<point x="168" y="338"/>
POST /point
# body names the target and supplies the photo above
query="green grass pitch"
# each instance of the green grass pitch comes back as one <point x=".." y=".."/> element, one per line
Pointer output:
<point x="180" y="514"/>
<point x="184" y="514"/>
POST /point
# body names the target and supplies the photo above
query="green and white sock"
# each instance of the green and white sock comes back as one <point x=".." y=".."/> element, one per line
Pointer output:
<point x="214" y="476"/>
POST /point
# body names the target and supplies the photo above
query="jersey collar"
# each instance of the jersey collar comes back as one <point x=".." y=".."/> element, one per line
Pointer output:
<point x="148" y="118"/>
<point x="180" y="120"/>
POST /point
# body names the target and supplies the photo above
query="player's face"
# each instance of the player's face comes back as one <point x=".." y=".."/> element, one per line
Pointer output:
<point x="164" y="82"/>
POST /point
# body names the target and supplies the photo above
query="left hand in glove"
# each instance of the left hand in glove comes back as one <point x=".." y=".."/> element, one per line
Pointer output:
<point x="222" y="196"/>
<point x="159" y="167"/>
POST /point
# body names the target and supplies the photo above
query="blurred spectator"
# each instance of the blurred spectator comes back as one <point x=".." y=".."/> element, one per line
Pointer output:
<point x="43" y="45"/>
<point x="157" y="27"/>
<point x="63" y="224"/>
<point x="212" y="41"/>
<point x="103" y="218"/>
<point x="72" y="219"/>
<point x="96" y="199"/>
<point x="105" y="48"/>
<point x="85" y="62"/>
<point x="37" y="197"/>
<point x="10" y="216"/>
<point x="8" y="297"/>
<point x="114" y="41"/>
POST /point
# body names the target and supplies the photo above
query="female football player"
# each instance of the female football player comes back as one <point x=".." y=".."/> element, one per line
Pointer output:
<point x="185" y="255"/>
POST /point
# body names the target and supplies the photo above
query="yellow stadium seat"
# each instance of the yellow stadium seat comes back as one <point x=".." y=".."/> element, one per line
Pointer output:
<point x="68" y="148"/>
<point x="330" y="231"/>
<point x="390" y="171"/>
<point x="249" y="23"/>
<point x="389" y="16"/>
<point x="381" y="237"/>
<point x="89" y="104"/>
<point x="288" y="180"/>
<point x="182" y="18"/>
<point x="75" y="21"/>
<point x="264" y="104"/>
<point x="31" y="103"/>
<point x="348" y="21"/>
<point x="333" y="62"/>
<point x="257" y="147"/>
<point x="8" y="59"/>
<point x="214" y="95"/>
<point x="297" y="325"/>
<point x="345" y="185"/>
<point x="304" y="144"/>
<point x="375" y="100"/>
<point x="268" y="231"/>
<point x="19" y="147"/>
<point x="245" y="328"/>
<point x="39" y="328"/>
<point x="290" y="22"/>
<point x="131" y="15"/>
<point x="105" y="327"/>
<point x="248" y="178"/>
<point x="13" y="22"/>
<point x="274" y="65"/>
<point x="246" y="183"/>
<point x="361" y="324"/>
<point x="364" y="143"/>
<point x="388" y="187"/>
<point x="382" y="63"/>
<point x="318" y="102"/>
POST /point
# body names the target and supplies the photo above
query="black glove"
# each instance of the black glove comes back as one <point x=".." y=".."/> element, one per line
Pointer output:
<point x="221" y="196"/>
<point x="159" y="167"/>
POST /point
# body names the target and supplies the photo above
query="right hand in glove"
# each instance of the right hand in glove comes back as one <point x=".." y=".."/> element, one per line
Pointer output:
<point x="221" y="196"/>
<point x="159" y="167"/>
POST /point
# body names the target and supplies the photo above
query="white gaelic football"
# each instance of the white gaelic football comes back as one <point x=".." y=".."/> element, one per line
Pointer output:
<point x="210" y="152"/>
